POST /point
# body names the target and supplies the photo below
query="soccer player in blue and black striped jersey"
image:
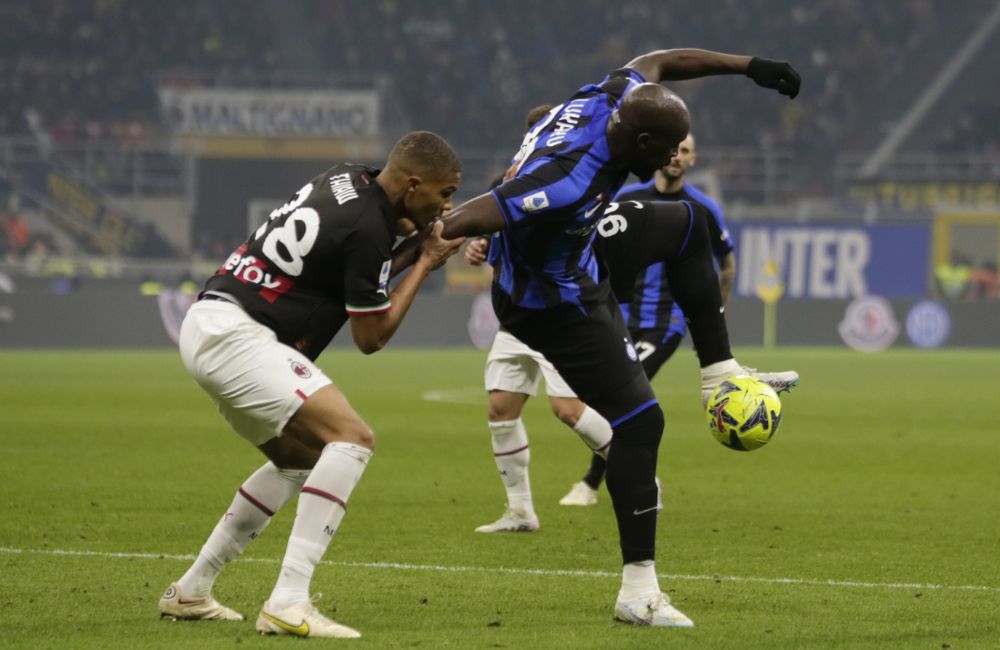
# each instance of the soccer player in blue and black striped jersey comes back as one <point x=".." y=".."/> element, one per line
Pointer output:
<point x="551" y="291"/>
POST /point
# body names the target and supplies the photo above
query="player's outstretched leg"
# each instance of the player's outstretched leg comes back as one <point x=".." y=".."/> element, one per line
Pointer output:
<point x="260" y="496"/>
<point x="321" y="508"/>
<point x="695" y="287"/>
<point x="512" y="455"/>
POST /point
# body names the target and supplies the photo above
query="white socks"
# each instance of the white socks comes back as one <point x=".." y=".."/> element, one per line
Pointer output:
<point x="322" y="505"/>
<point x="639" y="580"/>
<point x="262" y="495"/>
<point x="595" y="431"/>
<point x="511" y="453"/>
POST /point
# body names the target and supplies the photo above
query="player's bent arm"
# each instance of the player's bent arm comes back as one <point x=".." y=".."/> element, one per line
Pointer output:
<point x="407" y="252"/>
<point x="727" y="275"/>
<point x="371" y="332"/>
<point x="687" y="63"/>
<point x="480" y="216"/>
<point x="680" y="64"/>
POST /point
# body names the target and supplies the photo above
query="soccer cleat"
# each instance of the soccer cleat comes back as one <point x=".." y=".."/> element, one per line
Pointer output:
<point x="710" y="382"/>
<point x="781" y="382"/>
<point x="651" y="610"/>
<point x="302" y="619"/>
<point x="176" y="606"/>
<point x="580" y="494"/>
<point x="513" y="521"/>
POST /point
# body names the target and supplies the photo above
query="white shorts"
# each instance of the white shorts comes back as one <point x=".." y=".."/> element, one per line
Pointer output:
<point x="256" y="382"/>
<point x="514" y="367"/>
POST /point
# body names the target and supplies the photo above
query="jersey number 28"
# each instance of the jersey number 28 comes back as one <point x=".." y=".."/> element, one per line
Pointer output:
<point x="288" y="243"/>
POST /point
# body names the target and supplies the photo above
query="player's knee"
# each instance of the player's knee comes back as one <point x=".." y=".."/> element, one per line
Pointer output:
<point x="699" y="235"/>
<point x="288" y="454"/>
<point x="569" y="418"/>
<point x="501" y="413"/>
<point x="297" y="461"/>
<point x="568" y="410"/>
<point x="362" y="435"/>
<point x="645" y="428"/>
<point x="504" y="406"/>
<point x="356" y="432"/>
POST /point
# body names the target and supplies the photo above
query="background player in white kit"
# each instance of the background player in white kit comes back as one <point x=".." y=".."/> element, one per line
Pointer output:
<point x="250" y="341"/>
<point x="513" y="372"/>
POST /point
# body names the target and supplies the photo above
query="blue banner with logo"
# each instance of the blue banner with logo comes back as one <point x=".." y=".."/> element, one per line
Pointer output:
<point x="834" y="261"/>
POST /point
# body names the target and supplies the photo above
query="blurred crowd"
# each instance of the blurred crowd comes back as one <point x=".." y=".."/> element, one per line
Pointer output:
<point x="18" y="241"/>
<point x="470" y="69"/>
<point x="959" y="279"/>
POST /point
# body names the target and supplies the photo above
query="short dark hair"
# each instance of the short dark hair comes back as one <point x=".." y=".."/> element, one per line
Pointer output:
<point x="421" y="152"/>
<point x="537" y="113"/>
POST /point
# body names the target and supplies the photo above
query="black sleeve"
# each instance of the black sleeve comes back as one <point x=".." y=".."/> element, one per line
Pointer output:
<point x="367" y="263"/>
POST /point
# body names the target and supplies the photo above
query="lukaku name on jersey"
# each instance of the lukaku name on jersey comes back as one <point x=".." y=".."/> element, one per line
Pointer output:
<point x="564" y="179"/>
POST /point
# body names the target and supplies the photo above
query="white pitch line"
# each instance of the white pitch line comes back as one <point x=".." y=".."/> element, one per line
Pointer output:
<point x="469" y="396"/>
<point x="402" y="566"/>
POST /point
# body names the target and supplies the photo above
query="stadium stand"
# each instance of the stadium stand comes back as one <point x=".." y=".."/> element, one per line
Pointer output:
<point x="89" y="71"/>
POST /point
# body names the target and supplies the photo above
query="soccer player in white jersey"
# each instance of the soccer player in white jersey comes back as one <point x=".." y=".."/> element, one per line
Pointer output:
<point x="513" y="374"/>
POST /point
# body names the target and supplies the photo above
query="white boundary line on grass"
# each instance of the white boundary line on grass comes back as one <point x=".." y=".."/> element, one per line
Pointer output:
<point x="470" y="396"/>
<point x="402" y="566"/>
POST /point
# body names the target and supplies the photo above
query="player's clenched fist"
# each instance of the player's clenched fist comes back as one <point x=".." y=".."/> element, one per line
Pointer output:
<point x="435" y="250"/>
<point x="475" y="252"/>
<point x="778" y="75"/>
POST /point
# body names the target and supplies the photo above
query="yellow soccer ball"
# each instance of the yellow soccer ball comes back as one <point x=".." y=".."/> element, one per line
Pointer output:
<point x="743" y="413"/>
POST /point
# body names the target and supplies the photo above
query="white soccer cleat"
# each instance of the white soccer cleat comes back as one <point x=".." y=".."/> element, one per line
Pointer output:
<point x="781" y="382"/>
<point x="651" y="610"/>
<point x="513" y="521"/>
<point x="175" y="605"/>
<point x="302" y="619"/>
<point x="580" y="494"/>
<point x="710" y="382"/>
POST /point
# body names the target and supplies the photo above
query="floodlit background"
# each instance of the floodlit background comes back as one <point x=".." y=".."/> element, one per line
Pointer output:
<point x="140" y="142"/>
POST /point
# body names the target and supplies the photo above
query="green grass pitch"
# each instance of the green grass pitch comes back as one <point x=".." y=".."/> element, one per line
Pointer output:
<point x="871" y="520"/>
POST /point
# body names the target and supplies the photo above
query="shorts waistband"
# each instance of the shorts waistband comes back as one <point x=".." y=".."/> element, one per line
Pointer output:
<point x="224" y="297"/>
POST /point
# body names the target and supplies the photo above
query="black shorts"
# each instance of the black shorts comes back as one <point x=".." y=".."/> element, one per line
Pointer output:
<point x="593" y="353"/>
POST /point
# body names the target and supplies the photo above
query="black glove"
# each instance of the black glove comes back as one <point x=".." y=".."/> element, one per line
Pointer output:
<point x="775" y="74"/>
